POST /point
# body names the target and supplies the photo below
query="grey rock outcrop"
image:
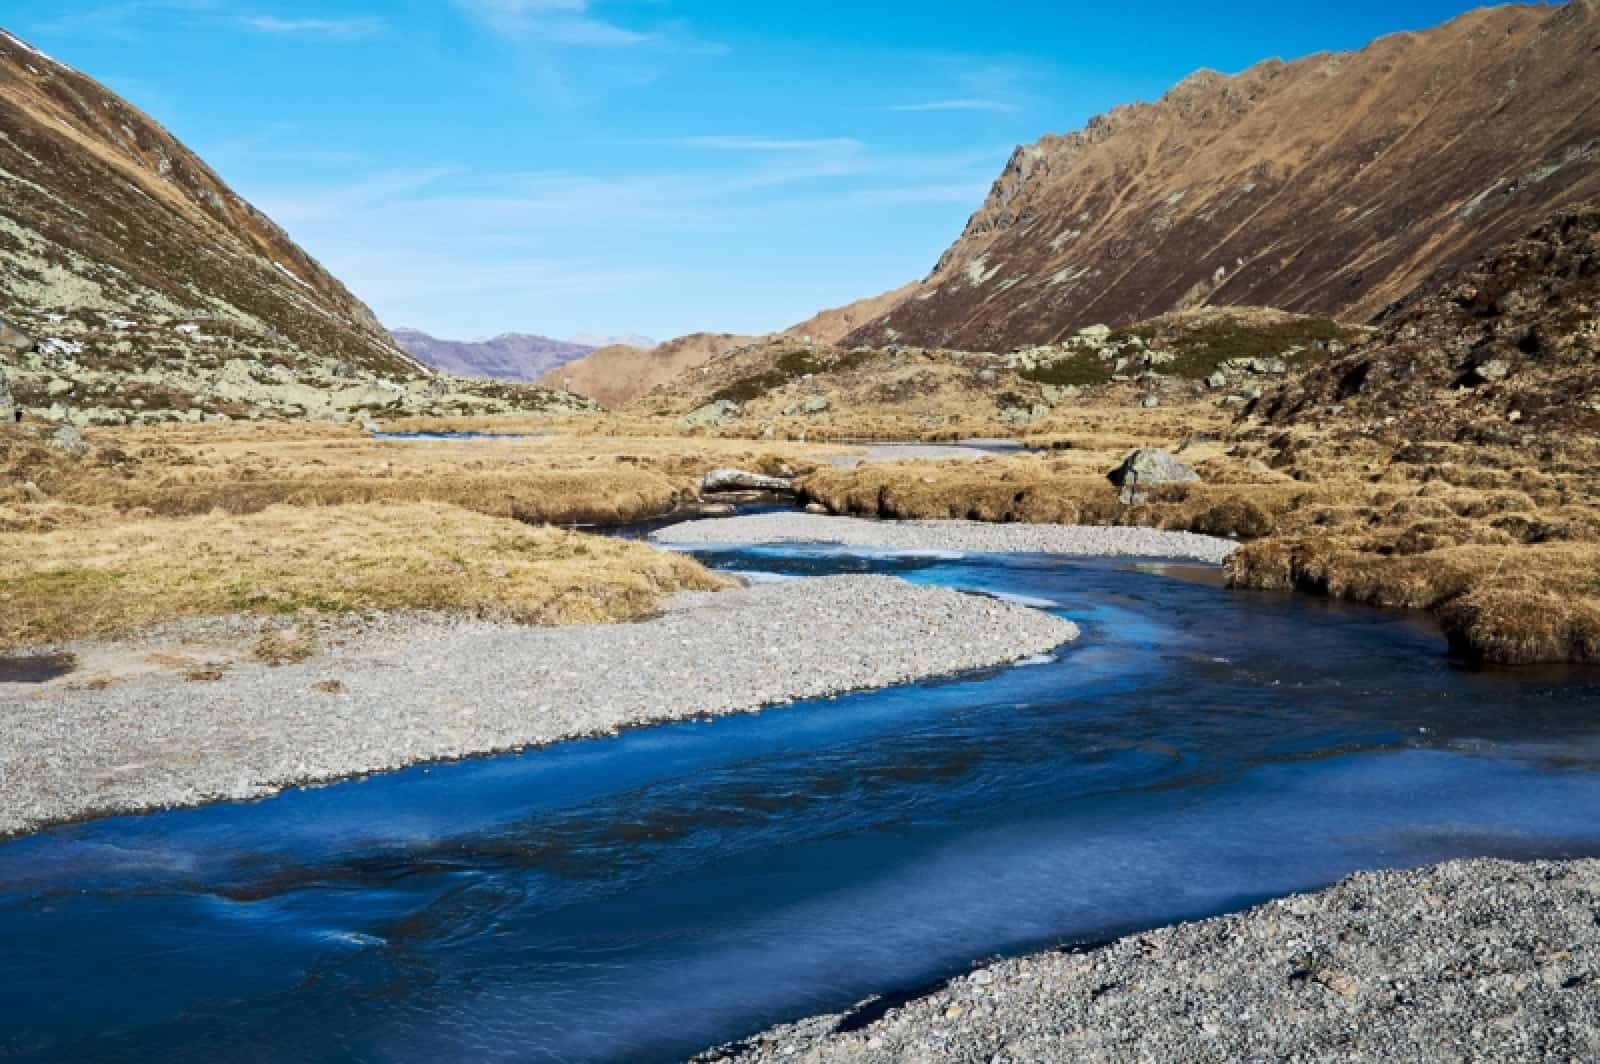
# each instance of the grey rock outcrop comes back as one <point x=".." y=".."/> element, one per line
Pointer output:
<point x="8" y="405"/>
<point x="719" y="414"/>
<point x="741" y="480"/>
<point x="13" y="341"/>
<point x="1146" y="468"/>
<point x="68" y="439"/>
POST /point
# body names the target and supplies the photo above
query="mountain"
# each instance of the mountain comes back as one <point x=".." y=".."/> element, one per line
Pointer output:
<point x="594" y="341"/>
<point x="1332" y="185"/>
<point x="833" y="325"/>
<point x="508" y="357"/>
<point x="615" y="376"/>
<point x="154" y="291"/>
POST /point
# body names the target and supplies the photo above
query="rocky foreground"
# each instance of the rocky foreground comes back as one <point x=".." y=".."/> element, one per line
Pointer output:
<point x="1475" y="960"/>
<point x="974" y="536"/>
<point x="426" y="691"/>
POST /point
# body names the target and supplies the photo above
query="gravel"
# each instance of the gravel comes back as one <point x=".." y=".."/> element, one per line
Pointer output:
<point x="973" y="536"/>
<point x="1474" y="960"/>
<point x="879" y="453"/>
<point x="416" y="691"/>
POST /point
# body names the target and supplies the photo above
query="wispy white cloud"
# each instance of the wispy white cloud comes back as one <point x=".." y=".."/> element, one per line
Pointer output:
<point x="329" y="29"/>
<point x="762" y="144"/>
<point x="970" y="104"/>
<point x="555" y="21"/>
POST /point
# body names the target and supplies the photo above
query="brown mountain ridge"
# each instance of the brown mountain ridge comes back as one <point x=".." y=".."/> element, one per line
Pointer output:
<point x="1333" y="185"/>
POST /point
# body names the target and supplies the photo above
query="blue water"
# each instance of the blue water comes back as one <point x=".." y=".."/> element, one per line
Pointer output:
<point x="642" y="897"/>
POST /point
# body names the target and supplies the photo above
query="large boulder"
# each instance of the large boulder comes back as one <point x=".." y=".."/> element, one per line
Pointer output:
<point x="719" y="480"/>
<point x="717" y="415"/>
<point x="1146" y="468"/>
<point x="13" y="341"/>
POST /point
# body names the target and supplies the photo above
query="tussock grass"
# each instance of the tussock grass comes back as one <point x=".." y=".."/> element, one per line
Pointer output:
<point x="282" y="560"/>
<point x="243" y="469"/>
<point x="1501" y="544"/>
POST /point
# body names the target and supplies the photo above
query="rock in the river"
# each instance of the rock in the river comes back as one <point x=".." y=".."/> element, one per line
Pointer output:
<point x="742" y="480"/>
<point x="817" y="509"/>
<point x="68" y="439"/>
<point x="13" y="341"/>
<point x="1145" y="468"/>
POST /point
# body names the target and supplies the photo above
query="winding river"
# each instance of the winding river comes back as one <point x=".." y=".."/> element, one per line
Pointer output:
<point x="645" y="896"/>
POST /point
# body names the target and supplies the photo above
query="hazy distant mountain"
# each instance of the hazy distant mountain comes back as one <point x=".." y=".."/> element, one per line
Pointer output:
<point x="509" y="357"/>
<point x="594" y="341"/>
<point x="616" y="375"/>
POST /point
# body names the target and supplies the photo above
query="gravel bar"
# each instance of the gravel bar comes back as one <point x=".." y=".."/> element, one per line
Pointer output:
<point x="973" y="536"/>
<point x="1469" y="961"/>
<point x="437" y="691"/>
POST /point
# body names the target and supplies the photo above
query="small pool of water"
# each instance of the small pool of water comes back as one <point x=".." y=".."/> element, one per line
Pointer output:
<point x="447" y="437"/>
<point x="35" y="668"/>
<point x="641" y="897"/>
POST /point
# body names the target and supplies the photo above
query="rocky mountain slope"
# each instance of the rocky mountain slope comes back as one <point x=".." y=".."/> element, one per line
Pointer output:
<point x="153" y="291"/>
<point x="1507" y="351"/>
<point x="1333" y="185"/>
<point x="783" y="384"/>
<point x="507" y="357"/>
<point x="614" y="376"/>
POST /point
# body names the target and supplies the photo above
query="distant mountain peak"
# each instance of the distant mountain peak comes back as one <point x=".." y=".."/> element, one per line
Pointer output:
<point x="511" y="356"/>
<point x="596" y="340"/>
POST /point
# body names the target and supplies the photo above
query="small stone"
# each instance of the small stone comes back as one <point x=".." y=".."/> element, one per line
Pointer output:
<point x="68" y="439"/>
<point x="1339" y="982"/>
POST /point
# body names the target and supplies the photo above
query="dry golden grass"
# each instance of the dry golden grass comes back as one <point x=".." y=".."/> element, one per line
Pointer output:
<point x="173" y="521"/>
<point x="240" y="469"/>
<point x="65" y="584"/>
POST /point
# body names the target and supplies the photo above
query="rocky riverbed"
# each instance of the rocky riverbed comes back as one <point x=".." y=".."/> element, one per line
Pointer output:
<point x="974" y="536"/>
<point x="1474" y="960"/>
<point x="433" y="690"/>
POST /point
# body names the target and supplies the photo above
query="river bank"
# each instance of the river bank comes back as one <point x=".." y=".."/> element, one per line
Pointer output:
<point x="1471" y="960"/>
<point x="976" y="536"/>
<point x="434" y="690"/>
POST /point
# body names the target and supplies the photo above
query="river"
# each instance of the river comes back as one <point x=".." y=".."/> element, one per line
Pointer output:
<point x="645" y="896"/>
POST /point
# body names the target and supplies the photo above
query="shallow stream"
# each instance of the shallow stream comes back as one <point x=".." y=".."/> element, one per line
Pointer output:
<point x="646" y="896"/>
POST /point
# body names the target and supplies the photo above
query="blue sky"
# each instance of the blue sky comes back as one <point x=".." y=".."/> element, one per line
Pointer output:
<point x="662" y="166"/>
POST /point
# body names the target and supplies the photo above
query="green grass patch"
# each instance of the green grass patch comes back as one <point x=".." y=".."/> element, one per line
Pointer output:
<point x="1076" y="371"/>
<point x="1201" y="350"/>
<point x="791" y="366"/>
